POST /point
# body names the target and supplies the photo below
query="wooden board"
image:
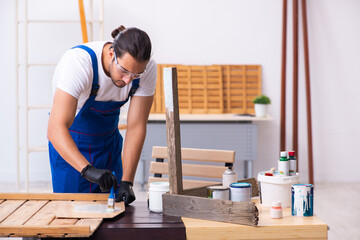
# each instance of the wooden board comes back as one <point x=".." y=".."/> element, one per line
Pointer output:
<point x="245" y="213"/>
<point x="34" y="215"/>
<point x="88" y="209"/>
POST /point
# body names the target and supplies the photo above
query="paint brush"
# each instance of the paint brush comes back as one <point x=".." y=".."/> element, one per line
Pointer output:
<point x="111" y="200"/>
<point x="270" y="172"/>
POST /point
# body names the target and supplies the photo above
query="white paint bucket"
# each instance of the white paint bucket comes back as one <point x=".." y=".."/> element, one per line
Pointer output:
<point x="276" y="188"/>
<point x="156" y="190"/>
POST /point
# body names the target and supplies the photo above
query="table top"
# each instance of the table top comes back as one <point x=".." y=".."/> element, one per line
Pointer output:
<point x="139" y="223"/>
<point x="289" y="227"/>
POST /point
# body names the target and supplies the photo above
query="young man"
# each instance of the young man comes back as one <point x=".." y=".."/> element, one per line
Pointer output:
<point x="91" y="83"/>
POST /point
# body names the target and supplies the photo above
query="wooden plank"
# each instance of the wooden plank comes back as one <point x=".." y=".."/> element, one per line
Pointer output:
<point x="45" y="216"/>
<point x="195" y="170"/>
<point x="56" y="196"/>
<point x="173" y="130"/>
<point x="48" y="230"/>
<point x="8" y="207"/>
<point x="23" y="213"/>
<point x="196" y="154"/>
<point x="93" y="223"/>
<point x="245" y="213"/>
<point x="68" y="210"/>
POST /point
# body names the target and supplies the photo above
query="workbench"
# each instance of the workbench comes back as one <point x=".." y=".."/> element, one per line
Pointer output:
<point x="139" y="223"/>
<point x="208" y="131"/>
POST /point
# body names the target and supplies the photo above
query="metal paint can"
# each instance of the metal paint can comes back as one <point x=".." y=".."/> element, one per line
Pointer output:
<point x="218" y="192"/>
<point x="240" y="192"/>
<point x="302" y="200"/>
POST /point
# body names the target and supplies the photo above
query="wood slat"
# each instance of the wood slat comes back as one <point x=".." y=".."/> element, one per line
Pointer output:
<point x="195" y="154"/>
<point x="23" y="213"/>
<point x="194" y="170"/>
<point x="45" y="216"/>
<point x="35" y="230"/>
<point x="56" y="196"/>
<point x="8" y="207"/>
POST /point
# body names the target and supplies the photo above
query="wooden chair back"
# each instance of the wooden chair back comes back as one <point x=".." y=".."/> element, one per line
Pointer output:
<point x="159" y="167"/>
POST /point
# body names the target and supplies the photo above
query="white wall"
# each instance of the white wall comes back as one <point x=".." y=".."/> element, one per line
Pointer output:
<point x="213" y="32"/>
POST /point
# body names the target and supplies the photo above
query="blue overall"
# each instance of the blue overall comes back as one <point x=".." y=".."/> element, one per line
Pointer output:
<point x="95" y="132"/>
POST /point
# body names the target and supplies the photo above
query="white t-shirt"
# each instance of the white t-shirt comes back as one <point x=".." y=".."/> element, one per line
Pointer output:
<point x="74" y="75"/>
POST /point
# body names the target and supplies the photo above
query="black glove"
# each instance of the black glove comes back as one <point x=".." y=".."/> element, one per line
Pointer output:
<point x="104" y="178"/>
<point x="125" y="192"/>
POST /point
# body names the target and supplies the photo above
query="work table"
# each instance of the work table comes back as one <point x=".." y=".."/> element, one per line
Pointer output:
<point x="137" y="222"/>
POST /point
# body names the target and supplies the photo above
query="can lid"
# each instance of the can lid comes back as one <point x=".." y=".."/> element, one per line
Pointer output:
<point x="240" y="185"/>
<point x="283" y="154"/>
<point x="160" y="186"/>
<point x="276" y="204"/>
<point x="220" y="188"/>
<point x="302" y="185"/>
<point x="291" y="153"/>
<point x="278" y="179"/>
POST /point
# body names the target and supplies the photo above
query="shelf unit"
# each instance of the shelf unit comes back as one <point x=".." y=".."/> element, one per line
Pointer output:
<point x="23" y="82"/>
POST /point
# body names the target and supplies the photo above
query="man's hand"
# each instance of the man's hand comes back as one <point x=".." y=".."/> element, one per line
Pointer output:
<point x="104" y="178"/>
<point x="125" y="192"/>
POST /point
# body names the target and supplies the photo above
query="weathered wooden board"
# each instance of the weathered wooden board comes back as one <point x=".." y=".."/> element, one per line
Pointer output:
<point x="173" y="130"/>
<point x="34" y="215"/>
<point x="245" y="213"/>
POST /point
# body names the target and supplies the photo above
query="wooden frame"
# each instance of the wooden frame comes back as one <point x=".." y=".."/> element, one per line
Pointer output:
<point x="186" y="203"/>
<point x="35" y="215"/>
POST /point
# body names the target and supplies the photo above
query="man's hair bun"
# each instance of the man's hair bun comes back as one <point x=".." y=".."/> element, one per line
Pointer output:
<point x="117" y="31"/>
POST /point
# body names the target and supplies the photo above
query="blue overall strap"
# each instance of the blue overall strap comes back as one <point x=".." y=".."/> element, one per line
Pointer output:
<point x="95" y="84"/>
<point x="135" y="86"/>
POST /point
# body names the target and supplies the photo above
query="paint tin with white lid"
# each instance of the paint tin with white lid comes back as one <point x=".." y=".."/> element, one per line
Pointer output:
<point x="218" y="192"/>
<point x="240" y="192"/>
<point x="156" y="190"/>
<point x="302" y="200"/>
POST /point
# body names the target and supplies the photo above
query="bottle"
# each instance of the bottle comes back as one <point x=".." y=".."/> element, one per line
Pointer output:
<point x="229" y="177"/>
<point x="276" y="210"/>
<point x="292" y="163"/>
<point x="283" y="164"/>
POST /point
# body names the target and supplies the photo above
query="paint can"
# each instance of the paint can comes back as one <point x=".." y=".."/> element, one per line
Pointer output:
<point x="218" y="192"/>
<point x="156" y="190"/>
<point x="302" y="200"/>
<point x="240" y="192"/>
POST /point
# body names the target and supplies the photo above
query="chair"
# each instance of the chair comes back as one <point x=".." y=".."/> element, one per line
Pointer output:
<point x="159" y="167"/>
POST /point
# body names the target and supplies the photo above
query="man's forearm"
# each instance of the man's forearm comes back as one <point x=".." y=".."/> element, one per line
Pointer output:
<point x="133" y="144"/>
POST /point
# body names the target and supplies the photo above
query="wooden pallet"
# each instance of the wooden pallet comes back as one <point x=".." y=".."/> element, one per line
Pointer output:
<point x="35" y="215"/>
<point x="241" y="84"/>
<point x="212" y="89"/>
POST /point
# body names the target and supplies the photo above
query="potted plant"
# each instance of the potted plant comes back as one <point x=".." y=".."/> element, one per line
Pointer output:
<point x="261" y="105"/>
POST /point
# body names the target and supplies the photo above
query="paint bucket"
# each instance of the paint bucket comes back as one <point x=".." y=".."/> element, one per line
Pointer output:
<point x="156" y="190"/>
<point x="276" y="188"/>
<point x="218" y="192"/>
<point x="302" y="200"/>
<point x="240" y="192"/>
